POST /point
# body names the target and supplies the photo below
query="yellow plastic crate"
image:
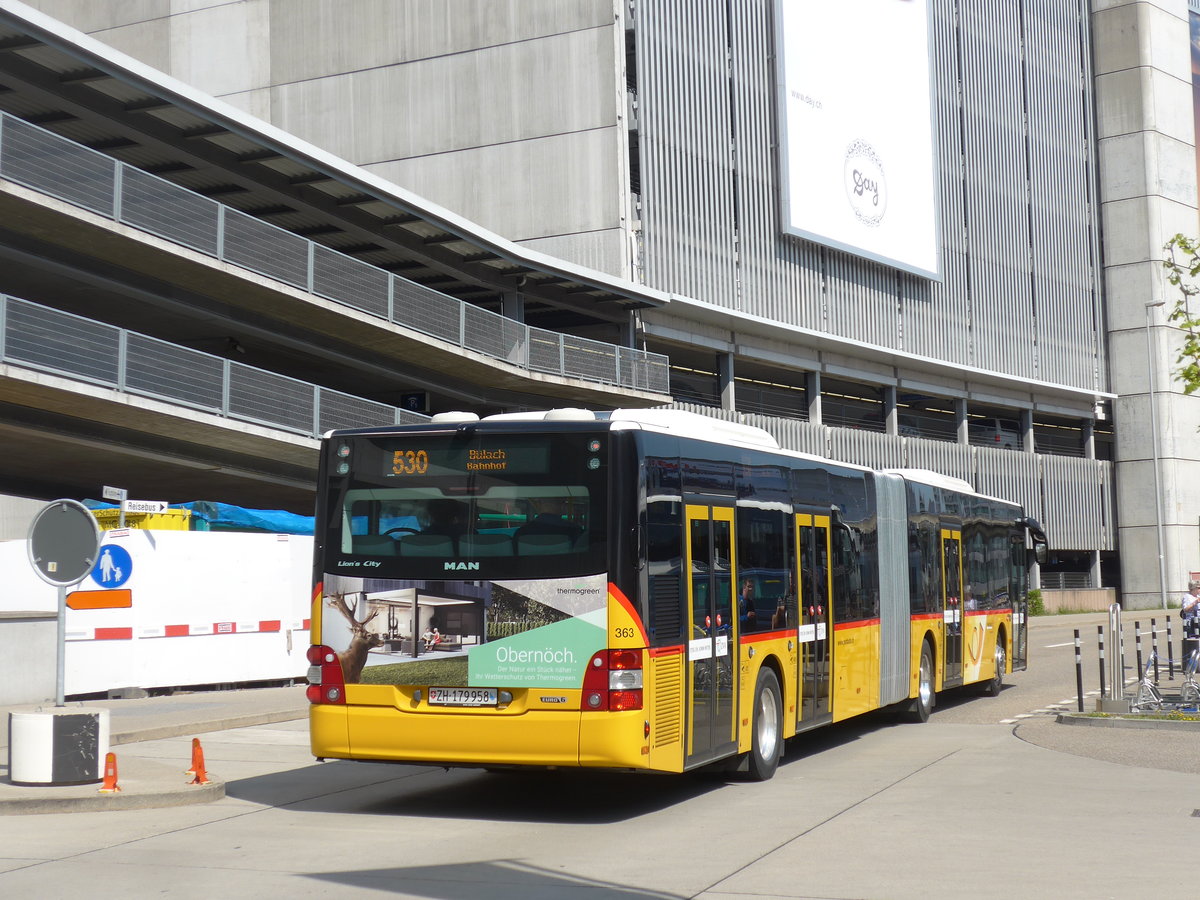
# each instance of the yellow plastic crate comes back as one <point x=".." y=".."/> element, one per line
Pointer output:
<point x="171" y="520"/>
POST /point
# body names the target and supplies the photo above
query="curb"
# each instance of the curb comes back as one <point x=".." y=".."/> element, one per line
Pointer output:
<point x="1113" y="721"/>
<point x="205" y="793"/>
<point x="188" y="729"/>
<point x="146" y="784"/>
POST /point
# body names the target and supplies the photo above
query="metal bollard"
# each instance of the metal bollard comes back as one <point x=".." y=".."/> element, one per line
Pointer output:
<point x="1137" y="645"/>
<point x="1154" y="647"/>
<point x="1100" y="642"/>
<point x="1078" y="672"/>
<point x="1171" y="652"/>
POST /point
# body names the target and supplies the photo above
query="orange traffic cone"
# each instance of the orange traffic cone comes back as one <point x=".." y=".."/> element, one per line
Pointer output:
<point x="110" y="785"/>
<point x="197" y="770"/>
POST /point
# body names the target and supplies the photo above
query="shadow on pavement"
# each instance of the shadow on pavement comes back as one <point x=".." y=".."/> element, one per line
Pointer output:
<point x="488" y="880"/>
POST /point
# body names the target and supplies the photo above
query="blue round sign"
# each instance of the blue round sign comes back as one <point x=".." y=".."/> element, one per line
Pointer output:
<point x="113" y="566"/>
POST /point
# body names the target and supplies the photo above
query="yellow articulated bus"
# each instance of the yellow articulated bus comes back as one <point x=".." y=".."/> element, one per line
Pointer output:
<point x="643" y="590"/>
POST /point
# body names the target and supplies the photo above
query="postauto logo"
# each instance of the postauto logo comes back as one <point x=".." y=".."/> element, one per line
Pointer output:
<point x="865" y="182"/>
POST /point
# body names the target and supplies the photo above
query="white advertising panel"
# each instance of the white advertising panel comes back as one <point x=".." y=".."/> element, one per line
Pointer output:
<point x="856" y="128"/>
<point x="169" y="608"/>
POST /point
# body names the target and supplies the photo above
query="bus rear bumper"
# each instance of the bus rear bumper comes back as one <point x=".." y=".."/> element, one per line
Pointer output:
<point x="534" y="738"/>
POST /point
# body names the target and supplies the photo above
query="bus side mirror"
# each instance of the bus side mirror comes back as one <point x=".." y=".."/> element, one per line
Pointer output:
<point x="1038" y="554"/>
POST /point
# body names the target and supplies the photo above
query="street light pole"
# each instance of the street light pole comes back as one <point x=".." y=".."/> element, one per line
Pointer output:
<point x="1158" y="505"/>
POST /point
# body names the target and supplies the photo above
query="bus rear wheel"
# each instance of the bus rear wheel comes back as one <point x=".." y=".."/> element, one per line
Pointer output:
<point x="922" y="706"/>
<point x="767" y="744"/>
<point x="992" y="686"/>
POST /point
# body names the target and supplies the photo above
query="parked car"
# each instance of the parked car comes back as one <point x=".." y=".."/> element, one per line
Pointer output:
<point x="995" y="432"/>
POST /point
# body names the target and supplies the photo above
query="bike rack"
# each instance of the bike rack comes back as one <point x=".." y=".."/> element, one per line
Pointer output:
<point x="1114" y="699"/>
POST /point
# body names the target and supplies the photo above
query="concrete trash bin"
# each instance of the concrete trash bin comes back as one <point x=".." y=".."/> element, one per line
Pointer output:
<point x="57" y="746"/>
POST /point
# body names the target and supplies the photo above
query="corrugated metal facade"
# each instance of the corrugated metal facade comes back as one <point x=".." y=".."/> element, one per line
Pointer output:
<point x="1019" y="288"/>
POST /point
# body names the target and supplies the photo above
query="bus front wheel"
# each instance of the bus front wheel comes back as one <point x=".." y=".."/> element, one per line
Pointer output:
<point x="767" y="744"/>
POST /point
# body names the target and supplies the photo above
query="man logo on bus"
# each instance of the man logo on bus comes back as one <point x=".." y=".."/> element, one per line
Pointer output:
<point x="460" y="566"/>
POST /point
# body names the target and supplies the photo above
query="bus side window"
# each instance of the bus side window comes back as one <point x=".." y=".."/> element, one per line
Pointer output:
<point x="664" y="521"/>
<point x="764" y="539"/>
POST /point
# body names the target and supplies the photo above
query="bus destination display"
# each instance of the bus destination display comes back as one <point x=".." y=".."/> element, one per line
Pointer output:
<point x="416" y="462"/>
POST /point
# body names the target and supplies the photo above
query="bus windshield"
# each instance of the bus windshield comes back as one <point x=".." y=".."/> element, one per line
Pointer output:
<point x="421" y="506"/>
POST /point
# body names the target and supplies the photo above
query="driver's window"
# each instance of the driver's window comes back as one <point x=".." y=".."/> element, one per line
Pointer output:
<point x="394" y="515"/>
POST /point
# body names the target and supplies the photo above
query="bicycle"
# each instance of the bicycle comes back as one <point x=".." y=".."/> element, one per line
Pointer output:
<point x="1149" y="697"/>
<point x="1189" y="691"/>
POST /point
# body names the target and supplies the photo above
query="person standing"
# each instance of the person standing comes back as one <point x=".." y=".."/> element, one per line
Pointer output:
<point x="1190" y="612"/>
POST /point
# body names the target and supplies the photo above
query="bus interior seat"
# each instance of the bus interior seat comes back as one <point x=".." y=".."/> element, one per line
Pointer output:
<point x="427" y="545"/>
<point x="373" y="545"/>
<point x="493" y="544"/>
<point x="551" y="524"/>
<point x="539" y="544"/>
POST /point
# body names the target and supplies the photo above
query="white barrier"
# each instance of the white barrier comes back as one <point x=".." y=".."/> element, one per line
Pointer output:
<point x="168" y="608"/>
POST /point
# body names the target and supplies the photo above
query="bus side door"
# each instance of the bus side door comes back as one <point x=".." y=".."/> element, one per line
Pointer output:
<point x="816" y="627"/>
<point x="952" y="593"/>
<point x="712" y="630"/>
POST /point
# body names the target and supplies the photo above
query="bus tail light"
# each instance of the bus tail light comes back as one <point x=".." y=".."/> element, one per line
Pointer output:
<point x="613" y="681"/>
<point x="326" y="683"/>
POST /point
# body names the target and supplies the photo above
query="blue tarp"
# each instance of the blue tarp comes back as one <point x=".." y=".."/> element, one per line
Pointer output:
<point x="226" y="517"/>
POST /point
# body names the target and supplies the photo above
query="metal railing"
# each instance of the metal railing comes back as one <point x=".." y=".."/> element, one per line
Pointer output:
<point x="53" y="165"/>
<point x="49" y="340"/>
<point x="1066" y="581"/>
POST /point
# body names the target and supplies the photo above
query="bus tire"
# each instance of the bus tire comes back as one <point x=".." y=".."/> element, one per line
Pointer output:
<point x="922" y="705"/>
<point x="993" y="685"/>
<point x="766" y="746"/>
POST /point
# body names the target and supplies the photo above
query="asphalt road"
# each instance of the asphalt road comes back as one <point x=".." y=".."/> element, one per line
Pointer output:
<point x="965" y="805"/>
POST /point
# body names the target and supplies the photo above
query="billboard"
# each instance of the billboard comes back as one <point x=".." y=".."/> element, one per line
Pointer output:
<point x="856" y="128"/>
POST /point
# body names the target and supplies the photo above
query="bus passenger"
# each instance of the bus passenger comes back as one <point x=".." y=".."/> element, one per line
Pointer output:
<point x="747" y="616"/>
<point x="1190" y="611"/>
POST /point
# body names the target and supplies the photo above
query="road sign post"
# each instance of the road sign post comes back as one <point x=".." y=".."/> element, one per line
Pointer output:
<point x="64" y="541"/>
<point x="119" y="496"/>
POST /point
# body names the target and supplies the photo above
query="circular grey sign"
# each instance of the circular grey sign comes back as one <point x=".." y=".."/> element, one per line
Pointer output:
<point x="64" y="542"/>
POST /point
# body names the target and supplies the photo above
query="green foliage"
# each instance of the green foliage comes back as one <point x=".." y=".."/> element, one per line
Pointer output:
<point x="1178" y="715"/>
<point x="1037" y="606"/>
<point x="513" y="613"/>
<point x="1183" y="267"/>
<point x="443" y="672"/>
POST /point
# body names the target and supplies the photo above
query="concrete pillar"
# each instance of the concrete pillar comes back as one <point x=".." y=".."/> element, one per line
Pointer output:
<point x="812" y="391"/>
<point x="628" y="331"/>
<point x="960" y="420"/>
<point x="1027" y="441"/>
<point x="725" y="382"/>
<point x="512" y="305"/>
<point x="891" y="421"/>
<point x="1146" y="145"/>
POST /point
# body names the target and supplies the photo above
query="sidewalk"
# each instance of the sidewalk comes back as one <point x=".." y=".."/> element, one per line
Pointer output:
<point x="146" y="783"/>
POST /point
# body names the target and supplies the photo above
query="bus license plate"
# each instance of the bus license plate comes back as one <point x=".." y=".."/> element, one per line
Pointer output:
<point x="460" y="696"/>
